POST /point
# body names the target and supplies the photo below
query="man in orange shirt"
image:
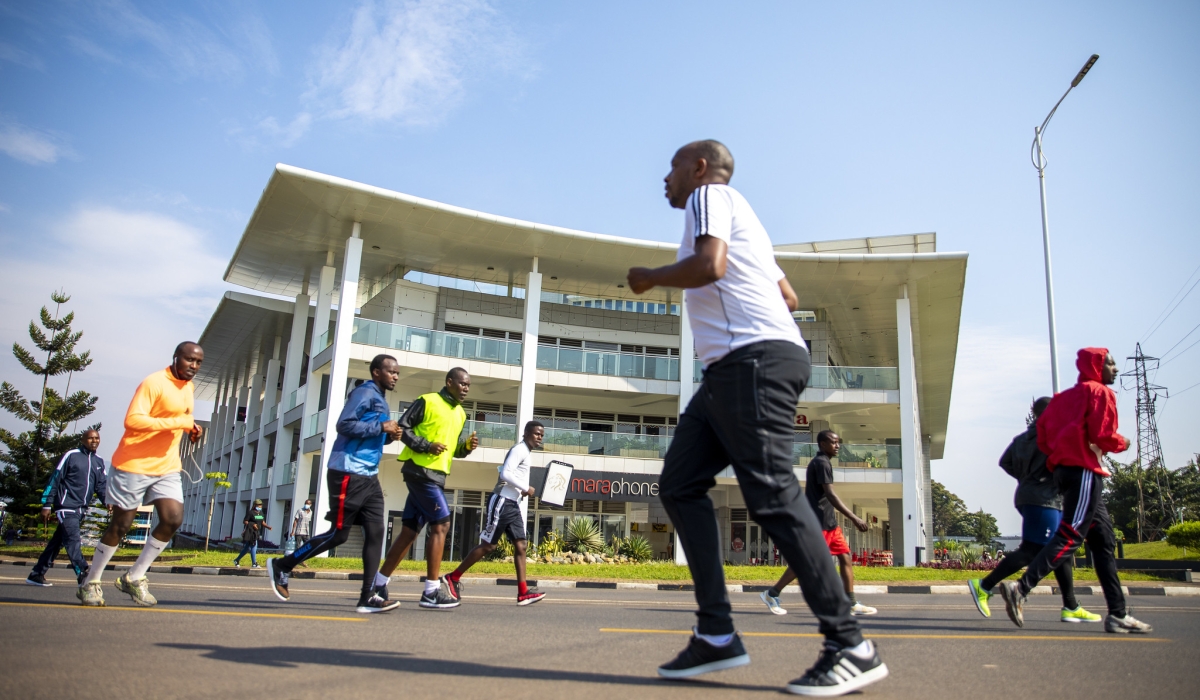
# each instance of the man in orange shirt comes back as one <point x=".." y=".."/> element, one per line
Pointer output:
<point x="145" y="471"/>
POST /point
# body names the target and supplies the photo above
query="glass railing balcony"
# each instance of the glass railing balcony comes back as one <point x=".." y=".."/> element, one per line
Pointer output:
<point x="272" y="415"/>
<point x="244" y="482"/>
<point x="610" y="364"/>
<point x="254" y="424"/>
<point x="287" y="475"/>
<point x="264" y="478"/>
<point x="422" y="340"/>
<point x="826" y="377"/>
<point x="239" y="431"/>
<point x="292" y="398"/>
<point x="323" y="341"/>
<point x="608" y="444"/>
<point x="316" y="423"/>
<point x="852" y="456"/>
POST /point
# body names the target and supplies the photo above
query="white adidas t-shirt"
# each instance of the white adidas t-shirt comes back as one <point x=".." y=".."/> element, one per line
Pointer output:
<point x="745" y="306"/>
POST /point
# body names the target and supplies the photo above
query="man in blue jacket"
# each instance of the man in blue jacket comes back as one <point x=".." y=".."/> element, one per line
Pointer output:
<point x="75" y="483"/>
<point x="355" y="496"/>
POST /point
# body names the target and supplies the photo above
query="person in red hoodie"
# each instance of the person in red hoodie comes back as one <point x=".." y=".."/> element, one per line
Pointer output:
<point x="1075" y="431"/>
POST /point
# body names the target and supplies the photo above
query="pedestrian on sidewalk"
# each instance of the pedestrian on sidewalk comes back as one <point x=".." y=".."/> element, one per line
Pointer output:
<point x="818" y="489"/>
<point x="76" y="483"/>
<point x="1074" y="432"/>
<point x="302" y="527"/>
<point x="252" y="532"/>
<point x="739" y="305"/>
<point x="505" y="515"/>
<point x="1040" y="504"/>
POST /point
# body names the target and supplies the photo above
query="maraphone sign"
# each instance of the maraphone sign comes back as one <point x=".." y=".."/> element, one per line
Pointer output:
<point x="604" y="486"/>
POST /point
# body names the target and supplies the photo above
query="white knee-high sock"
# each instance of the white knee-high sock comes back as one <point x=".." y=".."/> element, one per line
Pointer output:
<point x="150" y="552"/>
<point x="100" y="560"/>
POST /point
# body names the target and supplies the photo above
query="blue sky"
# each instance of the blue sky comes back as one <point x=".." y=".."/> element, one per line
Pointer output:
<point x="136" y="138"/>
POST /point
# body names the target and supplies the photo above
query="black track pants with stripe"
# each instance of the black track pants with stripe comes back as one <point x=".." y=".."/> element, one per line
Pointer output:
<point x="1084" y="519"/>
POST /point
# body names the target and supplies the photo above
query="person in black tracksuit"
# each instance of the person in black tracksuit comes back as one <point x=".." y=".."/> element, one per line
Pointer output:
<point x="77" y="481"/>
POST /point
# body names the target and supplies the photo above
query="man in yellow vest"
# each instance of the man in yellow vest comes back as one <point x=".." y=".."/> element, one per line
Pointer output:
<point x="428" y="427"/>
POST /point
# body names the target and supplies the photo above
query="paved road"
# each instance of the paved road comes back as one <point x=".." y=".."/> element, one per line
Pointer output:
<point x="213" y="638"/>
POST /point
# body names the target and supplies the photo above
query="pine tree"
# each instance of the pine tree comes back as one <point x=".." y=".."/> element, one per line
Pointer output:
<point x="25" y="463"/>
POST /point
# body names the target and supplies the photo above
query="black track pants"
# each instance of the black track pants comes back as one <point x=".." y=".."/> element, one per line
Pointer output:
<point x="743" y="415"/>
<point x="1018" y="559"/>
<point x="66" y="534"/>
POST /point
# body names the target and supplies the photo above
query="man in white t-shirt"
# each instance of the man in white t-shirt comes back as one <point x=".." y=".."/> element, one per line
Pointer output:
<point x="506" y="515"/>
<point x="755" y="366"/>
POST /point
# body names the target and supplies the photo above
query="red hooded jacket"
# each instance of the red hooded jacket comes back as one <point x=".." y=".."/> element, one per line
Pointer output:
<point x="1080" y="424"/>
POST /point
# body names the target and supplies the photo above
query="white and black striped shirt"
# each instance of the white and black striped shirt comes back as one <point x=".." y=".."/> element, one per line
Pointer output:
<point x="745" y="306"/>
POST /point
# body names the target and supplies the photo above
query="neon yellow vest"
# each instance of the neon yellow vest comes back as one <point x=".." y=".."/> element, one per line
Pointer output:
<point x="442" y="423"/>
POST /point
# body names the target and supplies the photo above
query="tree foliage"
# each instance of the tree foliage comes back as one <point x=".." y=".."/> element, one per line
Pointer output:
<point x="26" y="460"/>
<point x="1180" y="489"/>
<point x="951" y="517"/>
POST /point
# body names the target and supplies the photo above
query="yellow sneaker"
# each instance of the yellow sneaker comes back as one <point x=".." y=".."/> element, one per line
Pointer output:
<point x="980" y="597"/>
<point x="1078" y="615"/>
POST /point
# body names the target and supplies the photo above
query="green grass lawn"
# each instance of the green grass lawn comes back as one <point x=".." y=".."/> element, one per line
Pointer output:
<point x="650" y="571"/>
<point x="1159" y="550"/>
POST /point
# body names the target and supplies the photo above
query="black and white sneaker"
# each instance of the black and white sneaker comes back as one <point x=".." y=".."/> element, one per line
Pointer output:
<point x="1013" y="602"/>
<point x="38" y="580"/>
<point x="701" y="657"/>
<point x="375" y="604"/>
<point x="838" y="671"/>
<point x="439" y="599"/>
<point x="278" y="580"/>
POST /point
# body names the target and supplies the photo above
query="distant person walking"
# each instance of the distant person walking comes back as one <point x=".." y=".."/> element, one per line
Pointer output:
<point x="355" y="496"/>
<point x="302" y="526"/>
<point x="146" y="466"/>
<point x="818" y="489"/>
<point x="252" y="531"/>
<point x="77" y="481"/>
<point x="755" y="366"/>
<point x="1040" y="505"/>
<point x="431" y="429"/>
<point x="505" y="516"/>
<point x="1074" y="432"/>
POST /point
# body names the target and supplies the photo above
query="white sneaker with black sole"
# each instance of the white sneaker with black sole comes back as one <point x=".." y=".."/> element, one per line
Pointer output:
<point x="773" y="603"/>
<point x="839" y="671"/>
<point x="701" y="657"/>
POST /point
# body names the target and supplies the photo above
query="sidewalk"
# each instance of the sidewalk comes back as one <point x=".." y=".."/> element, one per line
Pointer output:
<point x="1165" y="588"/>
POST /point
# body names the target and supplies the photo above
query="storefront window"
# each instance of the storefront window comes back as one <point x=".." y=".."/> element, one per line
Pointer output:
<point x="612" y="526"/>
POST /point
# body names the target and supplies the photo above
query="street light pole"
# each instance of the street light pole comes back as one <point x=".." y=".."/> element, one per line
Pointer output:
<point x="1039" y="162"/>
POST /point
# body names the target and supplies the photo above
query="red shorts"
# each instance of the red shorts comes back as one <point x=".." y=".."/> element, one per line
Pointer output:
<point x="835" y="540"/>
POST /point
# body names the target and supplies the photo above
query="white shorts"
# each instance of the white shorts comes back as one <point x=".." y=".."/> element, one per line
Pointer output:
<point x="128" y="491"/>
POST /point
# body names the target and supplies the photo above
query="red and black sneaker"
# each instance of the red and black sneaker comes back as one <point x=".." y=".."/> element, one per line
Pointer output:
<point x="454" y="586"/>
<point x="530" y="597"/>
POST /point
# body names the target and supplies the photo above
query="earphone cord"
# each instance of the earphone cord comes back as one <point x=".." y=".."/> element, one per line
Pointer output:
<point x="198" y="471"/>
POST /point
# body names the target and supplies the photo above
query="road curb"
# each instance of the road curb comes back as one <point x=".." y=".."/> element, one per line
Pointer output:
<point x="866" y="589"/>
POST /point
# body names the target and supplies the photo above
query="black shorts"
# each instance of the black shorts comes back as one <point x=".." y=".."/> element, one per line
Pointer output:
<point x="353" y="499"/>
<point x="502" y="516"/>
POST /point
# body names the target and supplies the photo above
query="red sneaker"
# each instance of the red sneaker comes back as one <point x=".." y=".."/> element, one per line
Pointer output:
<point x="530" y="597"/>
<point x="454" y="587"/>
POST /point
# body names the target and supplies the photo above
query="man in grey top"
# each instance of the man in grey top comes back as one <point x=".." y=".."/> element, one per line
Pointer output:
<point x="1040" y="505"/>
<point x="755" y="366"/>
<point x="302" y="524"/>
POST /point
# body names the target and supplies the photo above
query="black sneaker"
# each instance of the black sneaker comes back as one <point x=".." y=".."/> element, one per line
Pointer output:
<point x="278" y="580"/>
<point x="1013" y="601"/>
<point x="37" y="580"/>
<point x="81" y="577"/>
<point x="439" y="599"/>
<point x="382" y="591"/>
<point x="375" y="604"/>
<point x="454" y="588"/>
<point x="838" y="672"/>
<point x="701" y="657"/>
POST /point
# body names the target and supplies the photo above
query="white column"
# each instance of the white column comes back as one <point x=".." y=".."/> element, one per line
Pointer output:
<point x="687" y="349"/>
<point x="254" y="406"/>
<point x="291" y="381"/>
<point x="911" y="453"/>
<point x="533" y="314"/>
<point x="312" y="400"/>
<point x="339" y="367"/>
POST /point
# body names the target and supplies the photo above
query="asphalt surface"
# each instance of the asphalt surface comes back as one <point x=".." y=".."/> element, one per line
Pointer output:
<point x="216" y="638"/>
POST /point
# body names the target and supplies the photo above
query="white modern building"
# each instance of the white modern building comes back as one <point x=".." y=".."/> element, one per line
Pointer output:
<point x="540" y="317"/>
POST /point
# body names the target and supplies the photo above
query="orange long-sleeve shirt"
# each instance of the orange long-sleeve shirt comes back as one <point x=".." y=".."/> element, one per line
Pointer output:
<point x="158" y="416"/>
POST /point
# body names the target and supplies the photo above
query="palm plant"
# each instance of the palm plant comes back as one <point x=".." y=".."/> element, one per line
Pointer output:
<point x="637" y="548"/>
<point x="583" y="535"/>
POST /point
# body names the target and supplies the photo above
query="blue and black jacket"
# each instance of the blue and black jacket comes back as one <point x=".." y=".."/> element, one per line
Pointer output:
<point x="360" y="437"/>
<point x="78" y="479"/>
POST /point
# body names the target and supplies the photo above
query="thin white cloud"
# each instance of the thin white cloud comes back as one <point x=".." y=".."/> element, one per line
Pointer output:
<point x="996" y="376"/>
<point x="287" y="134"/>
<point x="30" y="145"/>
<point x="408" y="60"/>
<point x="12" y="54"/>
<point x="149" y="282"/>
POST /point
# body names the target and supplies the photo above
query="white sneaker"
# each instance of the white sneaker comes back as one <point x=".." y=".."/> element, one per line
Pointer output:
<point x="772" y="603"/>
<point x="1126" y="625"/>
<point x="91" y="594"/>
<point x="860" y="609"/>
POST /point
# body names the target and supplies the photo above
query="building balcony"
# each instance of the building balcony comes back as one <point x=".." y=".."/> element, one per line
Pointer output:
<point x="430" y="342"/>
<point x="287" y="475"/>
<point x="610" y="364"/>
<point x="316" y="423"/>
